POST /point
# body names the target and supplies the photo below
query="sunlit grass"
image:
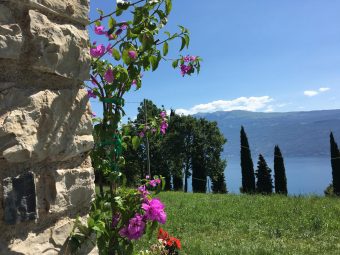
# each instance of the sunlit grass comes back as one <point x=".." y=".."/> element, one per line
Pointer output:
<point x="241" y="224"/>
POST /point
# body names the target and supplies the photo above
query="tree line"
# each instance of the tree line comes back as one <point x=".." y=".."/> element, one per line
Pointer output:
<point x="261" y="181"/>
<point x="191" y="147"/>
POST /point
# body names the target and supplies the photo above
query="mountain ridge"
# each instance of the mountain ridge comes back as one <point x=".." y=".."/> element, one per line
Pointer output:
<point x="299" y="134"/>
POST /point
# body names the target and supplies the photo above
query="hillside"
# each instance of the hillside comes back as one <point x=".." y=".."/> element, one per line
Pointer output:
<point x="299" y="134"/>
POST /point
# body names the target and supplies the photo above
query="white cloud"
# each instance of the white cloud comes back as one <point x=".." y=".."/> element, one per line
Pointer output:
<point x="324" y="89"/>
<point x="241" y="103"/>
<point x="312" y="93"/>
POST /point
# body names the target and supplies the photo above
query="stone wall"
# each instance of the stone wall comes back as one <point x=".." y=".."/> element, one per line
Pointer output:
<point x="46" y="178"/>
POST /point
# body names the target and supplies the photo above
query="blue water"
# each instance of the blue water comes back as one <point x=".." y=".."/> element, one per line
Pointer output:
<point x="305" y="176"/>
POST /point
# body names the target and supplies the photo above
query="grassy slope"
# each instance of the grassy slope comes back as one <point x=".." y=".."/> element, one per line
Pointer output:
<point x="240" y="224"/>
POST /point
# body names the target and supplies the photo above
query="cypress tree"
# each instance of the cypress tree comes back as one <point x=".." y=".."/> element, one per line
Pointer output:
<point x="247" y="166"/>
<point x="279" y="172"/>
<point x="264" y="183"/>
<point x="335" y="160"/>
<point x="218" y="184"/>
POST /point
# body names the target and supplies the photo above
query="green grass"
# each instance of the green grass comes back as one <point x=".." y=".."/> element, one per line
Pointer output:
<point x="241" y="224"/>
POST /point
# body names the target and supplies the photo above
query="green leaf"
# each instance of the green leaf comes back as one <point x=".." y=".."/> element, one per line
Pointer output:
<point x="138" y="16"/>
<point x="183" y="43"/>
<point x="165" y="48"/>
<point x="175" y="63"/>
<point x="126" y="57"/>
<point x="147" y="41"/>
<point x="112" y="22"/>
<point x="168" y="6"/>
<point x="135" y="142"/>
<point x="187" y="40"/>
<point x="167" y="33"/>
<point x="115" y="54"/>
<point x="100" y="12"/>
<point x="154" y="60"/>
<point x="97" y="23"/>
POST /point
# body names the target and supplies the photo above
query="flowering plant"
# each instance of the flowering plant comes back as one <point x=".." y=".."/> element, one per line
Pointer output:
<point x="171" y="244"/>
<point x="119" y="216"/>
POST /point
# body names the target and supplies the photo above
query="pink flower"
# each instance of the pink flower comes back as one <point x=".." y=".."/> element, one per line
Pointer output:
<point x="163" y="114"/>
<point x="99" y="30"/>
<point x="164" y="127"/>
<point x="108" y="76"/>
<point x="91" y="94"/>
<point x="132" y="54"/>
<point x="185" y="69"/>
<point x="154" y="183"/>
<point x="123" y="27"/>
<point x="143" y="191"/>
<point x="97" y="51"/>
<point x="147" y="177"/>
<point x="189" y="58"/>
<point x="193" y="58"/>
<point x="134" y="82"/>
<point x="135" y="229"/>
<point x="141" y="134"/>
<point x="154" y="210"/>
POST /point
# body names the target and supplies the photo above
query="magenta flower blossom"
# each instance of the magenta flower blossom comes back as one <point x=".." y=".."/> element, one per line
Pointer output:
<point x="134" y="82"/>
<point x="189" y="58"/>
<point x="163" y="114"/>
<point x="164" y="126"/>
<point x="97" y="51"/>
<point x="124" y="26"/>
<point x="108" y="76"/>
<point x="93" y="114"/>
<point x="185" y="69"/>
<point x="147" y="177"/>
<point x="132" y="54"/>
<point x="143" y="191"/>
<point x="141" y="134"/>
<point x="99" y="30"/>
<point x="135" y="229"/>
<point x="193" y="58"/>
<point x="91" y="94"/>
<point x="154" y="183"/>
<point x="154" y="210"/>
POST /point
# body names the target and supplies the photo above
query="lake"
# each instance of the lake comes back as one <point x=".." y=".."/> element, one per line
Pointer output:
<point x="305" y="176"/>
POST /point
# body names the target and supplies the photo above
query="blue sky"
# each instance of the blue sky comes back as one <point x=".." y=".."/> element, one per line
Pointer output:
<point x="261" y="55"/>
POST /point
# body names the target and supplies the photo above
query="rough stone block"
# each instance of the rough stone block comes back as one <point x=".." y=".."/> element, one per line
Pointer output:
<point x="10" y="34"/>
<point x="40" y="125"/>
<point x="59" y="48"/>
<point x="19" y="198"/>
<point x="75" y="190"/>
<point x="75" y="9"/>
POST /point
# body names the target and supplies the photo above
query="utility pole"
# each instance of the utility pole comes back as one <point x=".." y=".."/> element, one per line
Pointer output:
<point x="147" y="141"/>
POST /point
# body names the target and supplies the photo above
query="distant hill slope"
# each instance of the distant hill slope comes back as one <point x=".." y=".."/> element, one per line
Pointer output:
<point x="299" y="134"/>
